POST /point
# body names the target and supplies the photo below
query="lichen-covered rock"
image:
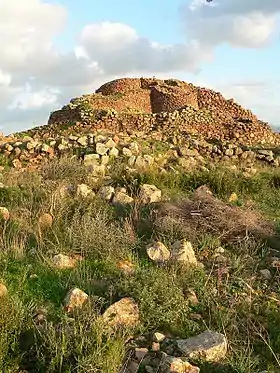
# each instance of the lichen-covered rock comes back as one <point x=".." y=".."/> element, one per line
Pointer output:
<point x="124" y="313"/>
<point x="209" y="346"/>
<point x="62" y="261"/>
<point x="158" y="252"/>
<point x="121" y="197"/>
<point x="101" y="148"/>
<point x="75" y="299"/>
<point x="84" y="191"/>
<point x="149" y="194"/>
<point x="171" y="364"/>
<point x="106" y="192"/>
<point x="182" y="251"/>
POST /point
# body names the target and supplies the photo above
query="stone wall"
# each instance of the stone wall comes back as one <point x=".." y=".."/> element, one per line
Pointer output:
<point x="101" y="147"/>
<point x="169" y="105"/>
<point x="204" y="122"/>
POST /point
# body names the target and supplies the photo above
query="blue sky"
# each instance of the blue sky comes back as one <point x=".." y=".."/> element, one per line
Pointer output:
<point x="57" y="49"/>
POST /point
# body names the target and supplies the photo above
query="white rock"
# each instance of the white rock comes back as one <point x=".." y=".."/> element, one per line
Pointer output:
<point x="182" y="251"/>
<point x="209" y="346"/>
<point x="127" y="152"/>
<point x="158" y="252"/>
<point x="83" y="141"/>
<point x="171" y="364"/>
<point x="124" y="313"/>
<point x="100" y="138"/>
<point x="110" y="143"/>
<point x="75" y="299"/>
<point x="84" y="191"/>
<point x="106" y="192"/>
<point x="114" y="152"/>
<point x="101" y="148"/>
<point x="150" y="193"/>
<point x="158" y="337"/>
<point x="91" y="159"/>
<point x="105" y="159"/>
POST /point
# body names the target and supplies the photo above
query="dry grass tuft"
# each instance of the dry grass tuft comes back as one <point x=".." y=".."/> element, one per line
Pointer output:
<point x="205" y="214"/>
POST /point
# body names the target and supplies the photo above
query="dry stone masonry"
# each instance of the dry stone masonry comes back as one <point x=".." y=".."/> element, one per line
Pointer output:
<point x="195" y="123"/>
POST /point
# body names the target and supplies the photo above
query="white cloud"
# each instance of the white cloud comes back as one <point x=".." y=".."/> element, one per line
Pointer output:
<point x="249" y="24"/>
<point x="28" y="99"/>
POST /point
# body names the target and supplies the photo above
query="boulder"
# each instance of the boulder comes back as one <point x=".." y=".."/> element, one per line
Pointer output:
<point x="208" y="346"/>
<point x="106" y="192"/>
<point x="149" y="194"/>
<point x="124" y="313"/>
<point x="84" y="191"/>
<point x="182" y="251"/>
<point x="62" y="261"/>
<point x="75" y="299"/>
<point x="158" y="252"/>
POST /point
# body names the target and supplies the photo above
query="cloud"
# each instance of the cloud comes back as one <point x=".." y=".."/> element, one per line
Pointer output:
<point x="118" y="49"/>
<point x="249" y="24"/>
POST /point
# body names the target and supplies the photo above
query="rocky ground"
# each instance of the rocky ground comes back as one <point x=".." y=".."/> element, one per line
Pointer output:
<point x="141" y="251"/>
<point x="122" y="260"/>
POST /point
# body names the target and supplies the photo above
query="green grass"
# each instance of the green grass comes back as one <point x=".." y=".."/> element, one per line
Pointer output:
<point x="104" y="235"/>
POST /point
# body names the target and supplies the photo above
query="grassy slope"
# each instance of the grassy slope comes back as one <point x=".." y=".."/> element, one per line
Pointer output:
<point x="104" y="236"/>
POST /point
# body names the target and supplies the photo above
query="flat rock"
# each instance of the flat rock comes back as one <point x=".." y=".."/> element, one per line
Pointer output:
<point x="209" y="346"/>
<point x="122" y="198"/>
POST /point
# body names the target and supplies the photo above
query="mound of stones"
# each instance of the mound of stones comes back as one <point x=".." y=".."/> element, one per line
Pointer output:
<point x="138" y="151"/>
<point x="164" y="105"/>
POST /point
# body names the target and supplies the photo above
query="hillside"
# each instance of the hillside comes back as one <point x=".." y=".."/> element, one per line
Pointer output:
<point x="140" y="233"/>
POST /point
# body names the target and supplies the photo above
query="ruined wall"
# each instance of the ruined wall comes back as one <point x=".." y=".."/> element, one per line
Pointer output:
<point x="208" y="99"/>
<point x="187" y="120"/>
<point x="168" y="99"/>
<point x="166" y="105"/>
